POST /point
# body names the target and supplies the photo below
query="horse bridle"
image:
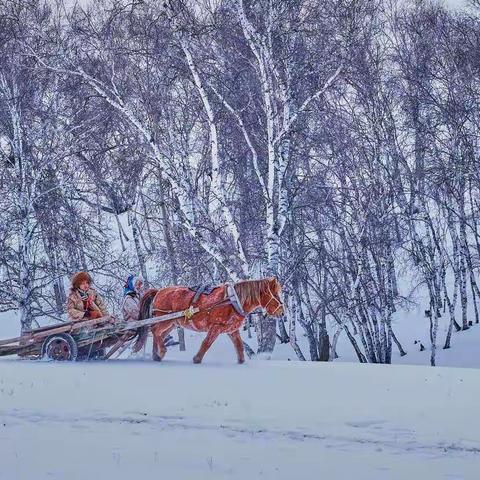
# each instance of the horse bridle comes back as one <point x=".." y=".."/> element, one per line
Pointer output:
<point x="273" y="297"/>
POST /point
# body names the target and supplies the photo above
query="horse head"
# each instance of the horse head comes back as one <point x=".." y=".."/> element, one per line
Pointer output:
<point x="271" y="298"/>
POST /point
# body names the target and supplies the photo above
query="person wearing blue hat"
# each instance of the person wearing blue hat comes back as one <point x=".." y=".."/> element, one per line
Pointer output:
<point x="132" y="292"/>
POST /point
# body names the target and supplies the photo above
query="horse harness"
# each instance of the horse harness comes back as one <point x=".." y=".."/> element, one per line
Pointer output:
<point x="204" y="289"/>
<point x="231" y="299"/>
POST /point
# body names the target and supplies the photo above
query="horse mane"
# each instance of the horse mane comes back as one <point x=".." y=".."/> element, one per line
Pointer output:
<point x="250" y="291"/>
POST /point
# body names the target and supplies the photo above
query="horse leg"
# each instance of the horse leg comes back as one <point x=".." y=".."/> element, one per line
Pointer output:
<point x="237" y="341"/>
<point x="206" y="344"/>
<point x="159" y="349"/>
<point x="167" y="332"/>
<point x="156" y="350"/>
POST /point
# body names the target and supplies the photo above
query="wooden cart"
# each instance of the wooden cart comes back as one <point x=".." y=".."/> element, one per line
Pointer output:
<point x="82" y="340"/>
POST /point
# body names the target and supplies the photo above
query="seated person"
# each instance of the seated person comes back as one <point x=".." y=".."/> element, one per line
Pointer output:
<point x="83" y="302"/>
<point x="132" y="293"/>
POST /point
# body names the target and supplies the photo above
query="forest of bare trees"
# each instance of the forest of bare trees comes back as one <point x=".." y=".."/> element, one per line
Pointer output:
<point x="331" y="144"/>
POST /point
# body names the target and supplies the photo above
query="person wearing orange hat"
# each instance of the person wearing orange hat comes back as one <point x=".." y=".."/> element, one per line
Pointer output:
<point x="83" y="302"/>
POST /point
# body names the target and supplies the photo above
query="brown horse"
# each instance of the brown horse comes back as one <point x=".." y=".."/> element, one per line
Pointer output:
<point x="222" y="311"/>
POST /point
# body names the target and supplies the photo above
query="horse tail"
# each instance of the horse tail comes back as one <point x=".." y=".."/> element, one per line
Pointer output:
<point x="144" y="312"/>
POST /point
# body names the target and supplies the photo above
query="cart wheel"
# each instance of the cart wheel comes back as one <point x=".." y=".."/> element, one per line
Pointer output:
<point x="60" y="347"/>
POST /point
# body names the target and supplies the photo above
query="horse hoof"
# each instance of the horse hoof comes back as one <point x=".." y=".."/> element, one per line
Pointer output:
<point x="197" y="360"/>
<point x="241" y="361"/>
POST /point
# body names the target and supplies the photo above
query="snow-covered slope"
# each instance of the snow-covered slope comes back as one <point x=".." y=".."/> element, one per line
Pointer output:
<point x="128" y="419"/>
<point x="411" y="327"/>
<point x="465" y="351"/>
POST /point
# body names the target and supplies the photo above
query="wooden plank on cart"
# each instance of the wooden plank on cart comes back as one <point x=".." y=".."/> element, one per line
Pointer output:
<point x="120" y="327"/>
<point x="10" y="341"/>
<point x="19" y="350"/>
<point x="118" y="345"/>
<point x="102" y="329"/>
<point x="153" y="320"/>
<point x="67" y="327"/>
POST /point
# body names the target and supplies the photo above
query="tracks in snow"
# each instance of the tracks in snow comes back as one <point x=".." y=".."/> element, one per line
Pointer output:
<point x="378" y="440"/>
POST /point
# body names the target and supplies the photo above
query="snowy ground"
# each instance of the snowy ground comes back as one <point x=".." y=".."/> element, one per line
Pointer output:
<point x="128" y="418"/>
<point x="134" y="419"/>
<point x="411" y="327"/>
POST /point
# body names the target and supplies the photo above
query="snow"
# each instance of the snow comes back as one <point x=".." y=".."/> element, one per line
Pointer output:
<point x="409" y="326"/>
<point x="414" y="326"/>
<point x="133" y="418"/>
<point x="126" y="418"/>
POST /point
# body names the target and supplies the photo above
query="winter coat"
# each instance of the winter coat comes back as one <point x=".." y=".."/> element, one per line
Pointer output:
<point x="75" y="306"/>
<point x="131" y="307"/>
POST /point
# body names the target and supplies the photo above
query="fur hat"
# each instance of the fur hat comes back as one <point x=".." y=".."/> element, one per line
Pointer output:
<point x="81" y="277"/>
